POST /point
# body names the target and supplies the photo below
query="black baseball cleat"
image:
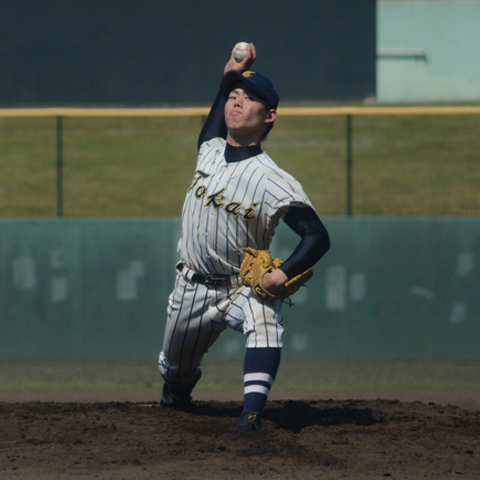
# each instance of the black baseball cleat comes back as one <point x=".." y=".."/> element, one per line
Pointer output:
<point x="249" y="422"/>
<point x="178" y="394"/>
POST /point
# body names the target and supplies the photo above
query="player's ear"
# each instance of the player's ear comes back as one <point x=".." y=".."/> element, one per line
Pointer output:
<point x="271" y="116"/>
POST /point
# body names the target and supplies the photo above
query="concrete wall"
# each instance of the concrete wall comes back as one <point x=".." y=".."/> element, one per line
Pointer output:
<point x="96" y="290"/>
<point x="159" y="52"/>
<point x="428" y="51"/>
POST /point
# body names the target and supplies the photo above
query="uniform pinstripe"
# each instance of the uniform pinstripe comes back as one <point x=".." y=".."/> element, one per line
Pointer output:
<point x="228" y="207"/>
<point x="232" y="206"/>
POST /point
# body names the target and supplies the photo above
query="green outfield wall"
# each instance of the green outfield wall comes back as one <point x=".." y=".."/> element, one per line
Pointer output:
<point x="96" y="290"/>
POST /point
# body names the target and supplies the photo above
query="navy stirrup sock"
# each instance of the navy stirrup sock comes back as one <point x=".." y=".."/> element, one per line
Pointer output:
<point x="260" y="369"/>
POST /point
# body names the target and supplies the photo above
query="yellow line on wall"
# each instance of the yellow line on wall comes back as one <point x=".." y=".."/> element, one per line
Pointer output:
<point x="102" y="112"/>
<point x="465" y="110"/>
<point x="199" y="111"/>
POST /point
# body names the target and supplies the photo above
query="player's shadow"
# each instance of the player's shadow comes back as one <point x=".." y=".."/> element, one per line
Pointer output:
<point x="216" y="409"/>
<point x="295" y="415"/>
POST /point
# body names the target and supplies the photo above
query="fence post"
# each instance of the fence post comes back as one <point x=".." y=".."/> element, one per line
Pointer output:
<point x="59" y="167"/>
<point x="349" y="164"/>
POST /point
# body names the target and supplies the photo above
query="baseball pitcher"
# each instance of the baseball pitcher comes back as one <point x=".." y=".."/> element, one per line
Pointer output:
<point x="226" y="276"/>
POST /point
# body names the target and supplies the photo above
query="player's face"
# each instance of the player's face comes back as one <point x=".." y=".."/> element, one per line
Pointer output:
<point x="247" y="116"/>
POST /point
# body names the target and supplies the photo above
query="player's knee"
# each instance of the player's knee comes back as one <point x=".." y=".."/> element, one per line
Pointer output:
<point x="166" y="368"/>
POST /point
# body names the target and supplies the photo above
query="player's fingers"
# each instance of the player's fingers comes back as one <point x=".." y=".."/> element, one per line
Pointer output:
<point x="251" y="56"/>
<point x="245" y="64"/>
<point x="232" y="64"/>
<point x="253" y="51"/>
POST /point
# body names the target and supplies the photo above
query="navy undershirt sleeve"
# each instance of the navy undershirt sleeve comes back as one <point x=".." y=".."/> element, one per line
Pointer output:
<point x="314" y="244"/>
<point x="215" y="125"/>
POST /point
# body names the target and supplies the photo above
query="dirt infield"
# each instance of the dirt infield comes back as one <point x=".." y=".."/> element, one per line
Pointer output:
<point x="302" y="439"/>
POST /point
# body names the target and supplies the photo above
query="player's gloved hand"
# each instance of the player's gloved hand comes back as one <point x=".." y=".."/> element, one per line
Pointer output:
<point x="245" y="64"/>
<point x="274" y="282"/>
<point x="256" y="264"/>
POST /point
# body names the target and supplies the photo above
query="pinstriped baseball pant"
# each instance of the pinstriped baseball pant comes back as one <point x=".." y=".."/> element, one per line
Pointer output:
<point x="197" y="315"/>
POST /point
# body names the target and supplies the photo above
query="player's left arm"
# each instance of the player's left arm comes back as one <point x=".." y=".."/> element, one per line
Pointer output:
<point x="315" y="241"/>
<point x="314" y="244"/>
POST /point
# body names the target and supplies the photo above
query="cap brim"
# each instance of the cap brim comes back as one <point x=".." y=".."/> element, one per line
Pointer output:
<point x="233" y="78"/>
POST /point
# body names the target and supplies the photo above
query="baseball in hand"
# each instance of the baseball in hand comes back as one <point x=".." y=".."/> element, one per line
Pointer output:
<point x="240" y="51"/>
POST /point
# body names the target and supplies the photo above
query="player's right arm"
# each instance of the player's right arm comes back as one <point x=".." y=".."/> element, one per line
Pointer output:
<point x="215" y="125"/>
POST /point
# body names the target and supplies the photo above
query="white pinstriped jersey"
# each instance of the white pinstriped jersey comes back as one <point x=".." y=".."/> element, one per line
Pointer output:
<point x="230" y="206"/>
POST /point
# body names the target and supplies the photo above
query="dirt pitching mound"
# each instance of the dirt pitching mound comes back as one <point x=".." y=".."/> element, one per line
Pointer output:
<point x="361" y="439"/>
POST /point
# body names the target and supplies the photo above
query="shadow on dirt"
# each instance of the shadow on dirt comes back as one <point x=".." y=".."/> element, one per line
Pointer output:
<point x="294" y="415"/>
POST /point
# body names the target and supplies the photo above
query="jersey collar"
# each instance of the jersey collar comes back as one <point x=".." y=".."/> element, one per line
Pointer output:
<point x="237" y="154"/>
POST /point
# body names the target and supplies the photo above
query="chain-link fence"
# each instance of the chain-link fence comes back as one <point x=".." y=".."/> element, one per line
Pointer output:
<point x="351" y="161"/>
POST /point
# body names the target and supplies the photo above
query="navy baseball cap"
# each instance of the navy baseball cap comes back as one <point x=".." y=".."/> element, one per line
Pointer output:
<point x="257" y="83"/>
